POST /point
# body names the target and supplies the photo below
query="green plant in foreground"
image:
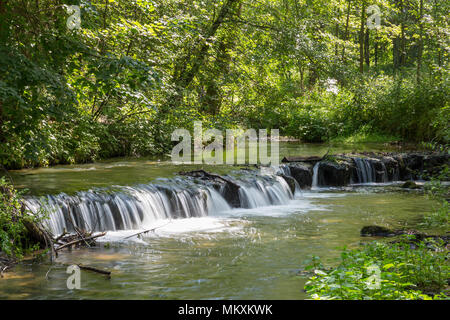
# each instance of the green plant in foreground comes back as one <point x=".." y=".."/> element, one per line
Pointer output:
<point x="436" y="190"/>
<point x="380" y="271"/>
<point x="438" y="218"/>
<point x="14" y="238"/>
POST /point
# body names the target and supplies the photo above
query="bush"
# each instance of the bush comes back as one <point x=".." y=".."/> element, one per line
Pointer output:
<point x="14" y="240"/>
<point x="436" y="190"/>
<point x="380" y="271"/>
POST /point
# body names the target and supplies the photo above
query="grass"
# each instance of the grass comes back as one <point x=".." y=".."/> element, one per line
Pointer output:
<point x="364" y="137"/>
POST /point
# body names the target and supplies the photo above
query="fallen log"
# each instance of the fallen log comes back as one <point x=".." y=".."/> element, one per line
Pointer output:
<point x="87" y="268"/>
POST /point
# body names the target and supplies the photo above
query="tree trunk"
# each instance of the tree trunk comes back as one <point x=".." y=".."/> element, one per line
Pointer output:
<point x="420" y="51"/>
<point x="183" y="75"/>
<point x="367" y="48"/>
<point x="376" y="49"/>
<point x="346" y="29"/>
<point x="184" y="72"/>
<point x="403" y="39"/>
<point x="361" y="37"/>
<point x="213" y="99"/>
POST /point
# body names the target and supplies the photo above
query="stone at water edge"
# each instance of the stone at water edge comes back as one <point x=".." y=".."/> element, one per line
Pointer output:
<point x="290" y="181"/>
<point x="376" y="231"/>
<point x="334" y="174"/>
<point x="410" y="185"/>
<point x="302" y="174"/>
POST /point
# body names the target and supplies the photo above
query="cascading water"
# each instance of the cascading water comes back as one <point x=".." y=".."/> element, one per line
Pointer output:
<point x="264" y="191"/>
<point x="315" y="179"/>
<point x="286" y="171"/>
<point x="365" y="170"/>
<point x="125" y="208"/>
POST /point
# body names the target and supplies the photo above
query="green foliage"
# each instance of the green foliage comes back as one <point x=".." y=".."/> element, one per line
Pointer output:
<point x="136" y="70"/>
<point x="14" y="240"/>
<point x="380" y="271"/>
<point x="439" y="218"/>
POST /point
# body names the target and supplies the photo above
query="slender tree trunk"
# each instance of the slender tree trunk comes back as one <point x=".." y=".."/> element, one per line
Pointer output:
<point x="184" y="75"/>
<point x="403" y="38"/>
<point x="184" y="72"/>
<point x="420" y="51"/>
<point x="346" y="29"/>
<point x="302" y="88"/>
<point x="376" y="48"/>
<point x="213" y="99"/>
<point x="361" y="37"/>
<point x="367" y="48"/>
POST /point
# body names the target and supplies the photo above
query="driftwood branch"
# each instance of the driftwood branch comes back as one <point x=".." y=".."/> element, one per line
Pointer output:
<point x="87" y="268"/>
<point x="80" y="240"/>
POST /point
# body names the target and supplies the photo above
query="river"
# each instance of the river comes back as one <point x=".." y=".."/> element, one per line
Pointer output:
<point x="223" y="253"/>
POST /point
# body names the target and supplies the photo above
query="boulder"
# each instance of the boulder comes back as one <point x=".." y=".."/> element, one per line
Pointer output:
<point x="333" y="174"/>
<point x="376" y="231"/>
<point x="290" y="181"/>
<point x="410" y="185"/>
<point x="302" y="174"/>
<point x="226" y="187"/>
<point x="392" y="168"/>
<point x="380" y="169"/>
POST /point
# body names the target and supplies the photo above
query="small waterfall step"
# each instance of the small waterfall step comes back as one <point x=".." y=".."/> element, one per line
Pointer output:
<point x="126" y="208"/>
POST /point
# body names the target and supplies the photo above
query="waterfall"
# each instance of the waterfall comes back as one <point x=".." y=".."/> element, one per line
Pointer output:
<point x="365" y="170"/>
<point x="134" y="207"/>
<point x="315" y="180"/>
<point x="127" y="208"/>
<point x="286" y="171"/>
<point x="264" y="191"/>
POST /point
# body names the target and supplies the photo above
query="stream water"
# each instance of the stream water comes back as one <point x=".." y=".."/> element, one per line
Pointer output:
<point x="202" y="247"/>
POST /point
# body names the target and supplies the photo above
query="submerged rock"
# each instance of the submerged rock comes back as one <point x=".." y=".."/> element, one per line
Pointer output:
<point x="410" y="185"/>
<point x="377" y="231"/>
<point x="312" y="159"/>
<point x="333" y="174"/>
<point x="416" y="236"/>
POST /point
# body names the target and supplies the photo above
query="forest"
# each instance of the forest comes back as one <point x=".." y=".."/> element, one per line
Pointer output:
<point x="130" y="72"/>
<point x="352" y="204"/>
